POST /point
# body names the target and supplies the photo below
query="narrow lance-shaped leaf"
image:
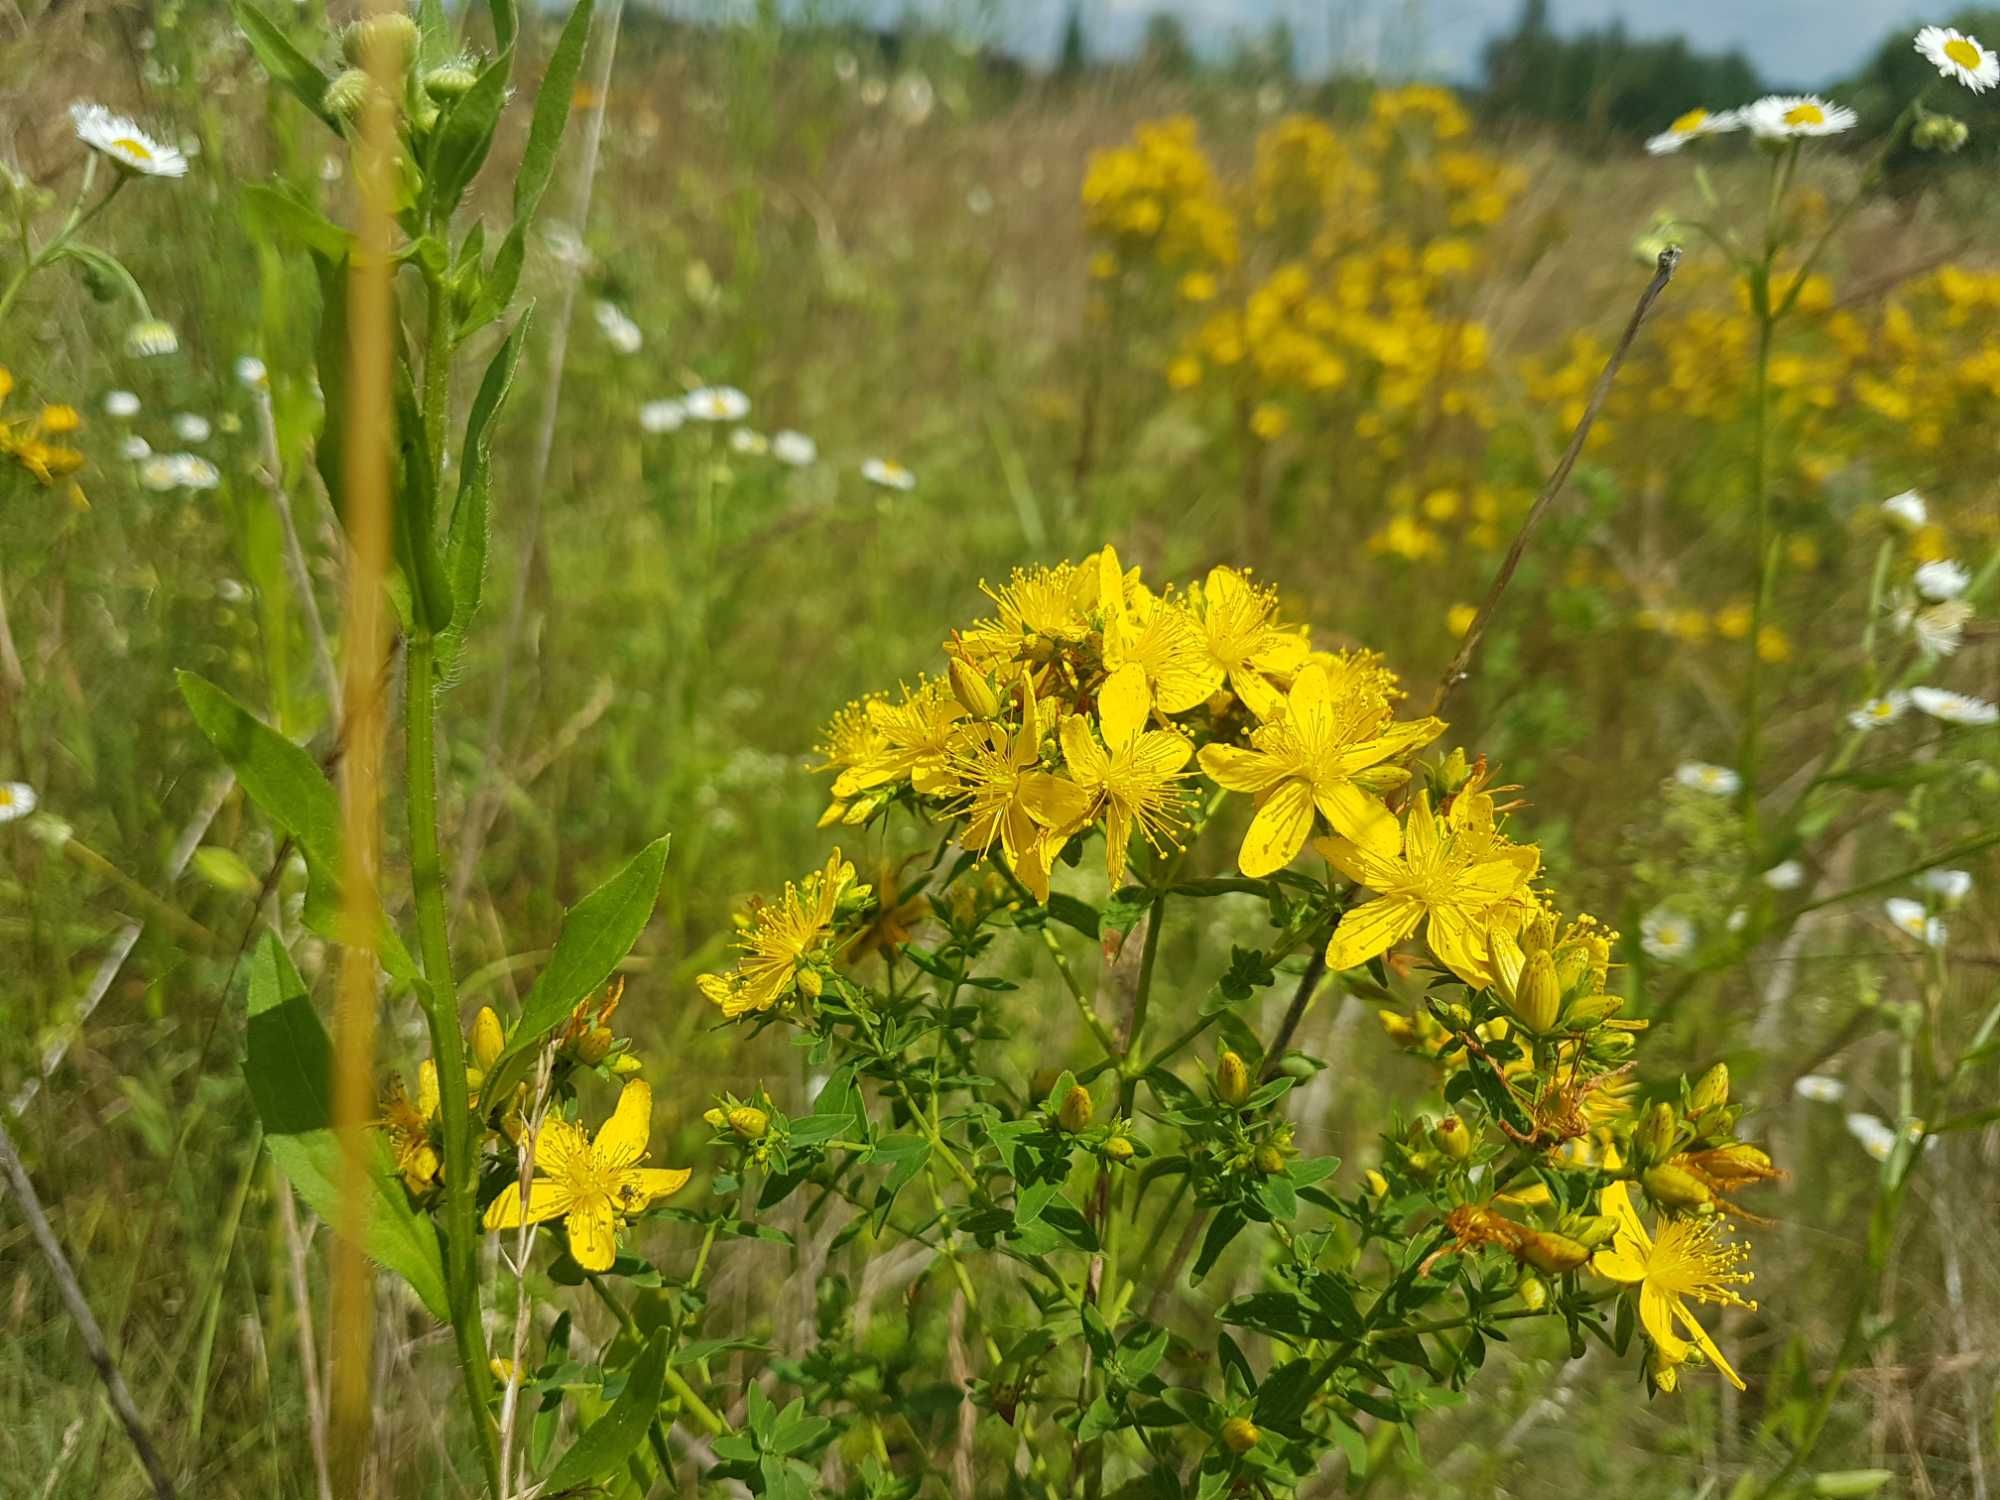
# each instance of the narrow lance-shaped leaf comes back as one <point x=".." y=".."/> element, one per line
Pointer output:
<point x="288" y="1064"/>
<point x="466" y="135"/>
<point x="607" y="1442"/>
<point x="288" y="66"/>
<point x="466" y="542"/>
<point x="598" y="932"/>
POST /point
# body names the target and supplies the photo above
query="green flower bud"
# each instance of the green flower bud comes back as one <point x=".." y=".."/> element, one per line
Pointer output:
<point x="1587" y="1012"/>
<point x="594" y="1045"/>
<point x="391" y="37"/>
<point x="1675" y="1188"/>
<point x="1711" y="1092"/>
<point x="1452" y="1138"/>
<point x="749" y="1122"/>
<point x="452" y="80"/>
<point x="1533" y="1292"/>
<point x="1118" y="1148"/>
<point x="1653" y="1139"/>
<point x="1076" y="1110"/>
<point x="347" y="94"/>
<point x="1590" y="1230"/>
<point x="1232" y="1079"/>
<point x="974" y="693"/>
<point x="1538" y="994"/>
<point x="1551" y="1254"/>
<point x="1943" y="134"/>
<point x="1270" y="1160"/>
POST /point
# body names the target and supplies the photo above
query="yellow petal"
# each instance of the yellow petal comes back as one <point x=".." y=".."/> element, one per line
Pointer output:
<point x="1117" y="836"/>
<point x="1085" y="758"/>
<point x="427" y="1090"/>
<point x="1616" y="1200"/>
<point x="1459" y="943"/>
<point x="1159" y="753"/>
<point x="1500" y="875"/>
<point x="1236" y="770"/>
<point x="1123" y="704"/>
<point x="1421" y="833"/>
<point x="1656" y="1316"/>
<point x="1707" y="1345"/>
<point x="1362" y="866"/>
<point x="1279" y="831"/>
<point x="1616" y="1265"/>
<point x="593" y="1233"/>
<point x="547" y="1199"/>
<point x="621" y="1142"/>
<point x="1358" y="816"/>
<point x="643" y="1186"/>
<point x="1311" y="692"/>
<point x="1255" y="689"/>
<point x="1390" y="742"/>
<point x="1371" y="928"/>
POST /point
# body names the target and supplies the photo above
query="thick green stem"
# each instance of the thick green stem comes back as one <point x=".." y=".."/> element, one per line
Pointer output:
<point x="461" y="1179"/>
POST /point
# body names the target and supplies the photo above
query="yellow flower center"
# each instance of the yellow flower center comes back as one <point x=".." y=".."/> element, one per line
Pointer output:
<point x="1965" y="52"/>
<point x="1807" y="113"/>
<point x="1688" y="123"/>
<point x="6" y="796"/>
<point x="130" y="147"/>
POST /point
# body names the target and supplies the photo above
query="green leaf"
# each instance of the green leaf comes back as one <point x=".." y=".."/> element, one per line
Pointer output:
<point x="1282" y="1398"/>
<point x="551" y="117"/>
<point x="288" y="786"/>
<point x="505" y="24"/>
<point x="288" y="1064"/>
<point x="466" y="541"/>
<point x="415" y="518"/>
<point x="279" y="212"/>
<point x="465" y="136"/>
<point x="596" y="934"/>
<point x="606" y="1442"/>
<point x="288" y="67"/>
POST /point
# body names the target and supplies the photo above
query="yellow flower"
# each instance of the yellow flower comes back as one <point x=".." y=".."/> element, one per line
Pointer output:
<point x="1156" y="635"/>
<point x="1135" y="774"/>
<point x="910" y="740"/>
<point x="410" y="1125"/>
<point x="592" y="1184"/>
<point x="1039" y="609"/>
<point x="1452" y="870"/>
<point x="1309" y="759"/>
<point x="1689" y="1260"/>
<point x="1006" y="797"/>
<point x="777" y="940"/>
<point x="1244" y="646"/>
<point x="26" y="443"/>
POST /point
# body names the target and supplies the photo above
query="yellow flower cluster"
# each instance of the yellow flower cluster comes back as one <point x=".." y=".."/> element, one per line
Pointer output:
<point x="27" y="442"/>
<point x="1158" y="200"/>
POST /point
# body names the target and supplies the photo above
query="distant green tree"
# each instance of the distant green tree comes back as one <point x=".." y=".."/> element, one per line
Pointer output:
<point x="1165" y="49"/>
<point x="1605" y="81"/>
<point x="1074" y="55"/>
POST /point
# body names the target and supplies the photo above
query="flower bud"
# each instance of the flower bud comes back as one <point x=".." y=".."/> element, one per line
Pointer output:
<point x="1653" y="1139"/>
<point x="1232" y="1079"/>
<point x="1664" y="1372"/>
<point x="1533" y="1292"/>
<point x="1076" y="1110"/>
<point x="1551" y="1254"/>
<point x="1711" y="1092"/>
<point x="1401" y="1032"/>
<point x="1941" y="133"/>
<point x="391" y="36"/>
<point x="1538" y="995"/>
<point x="974" y="693"/>
<point x="489" y="1038"/>
<point x="347" y="93"/>
<point x="1118" y="1148"/>
<point x="749" y="1122"/>
<point x="1589" y="1011"/>
<point x="810" y="984"/>
<point x="1452" y="1138"/>
<point x="1270" y="1160"/>
<point x="716" y="1117"/>
<point x="452" y="80"/>
<point x="626" y="1063"/>
<point x="594" y="1045"/>
<point x="1737" y="1162"/>
<point x="1590" y="1230"/>
<point x="1240" y="1434"/>
<point x="1378" y="1185"/>
<point x="1674" y="1187"/>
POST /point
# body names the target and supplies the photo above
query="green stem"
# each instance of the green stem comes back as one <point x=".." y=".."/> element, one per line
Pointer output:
<point x="700" y="1410"/>
<point x="1767" y="553"/>
<point x="461" y="1180"/>
<point x="437" y="369"/>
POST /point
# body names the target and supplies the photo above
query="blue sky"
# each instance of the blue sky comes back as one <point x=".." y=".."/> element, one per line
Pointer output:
<point x="1803" y="42"/>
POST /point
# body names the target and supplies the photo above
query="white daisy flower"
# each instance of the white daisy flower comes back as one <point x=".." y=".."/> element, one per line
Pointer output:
<point x="622" y="332"/>
<point x="197" y="473"/>
<point x="17" y="800"/>
<point x="793" y="448"/>
<point x="250" y="371"/>
<point x="750" y="443"/>
<point x="1908" y="507"/>
<point x="1940" y="629"/>
<point x="1914" y="919"/>
<point x="887" y="473"/>
<point x="1717" y="781"/>
<point x="1666" y="935"/>
<point x="1954" y="708"/>
<point x="121" y="404"/>
<point x="1877" y="711"/>
<point x="160" y="473"/>
<point x="1692" y="126"/>
<point x="717" y="403"/>
<point x="1941" y="580"/>
<point x="230" y="591"/>
<point x="1956" y="55"/>
<point x="191" y="427"/>
<point x="1786" y="876"/>
<point x="1949" y="886"/>
<point x="151" y="339"/>
<point x="1737" y="920"/>
<point x="1820" y="1089"/>
<point x="135" y="448"/>
<point x="1876" y="1138"/>
<point x="567" y="246"/>
<point x="662" y="416"/>
<point x="125" y="143"/>
<point x="1786" y="117"/>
